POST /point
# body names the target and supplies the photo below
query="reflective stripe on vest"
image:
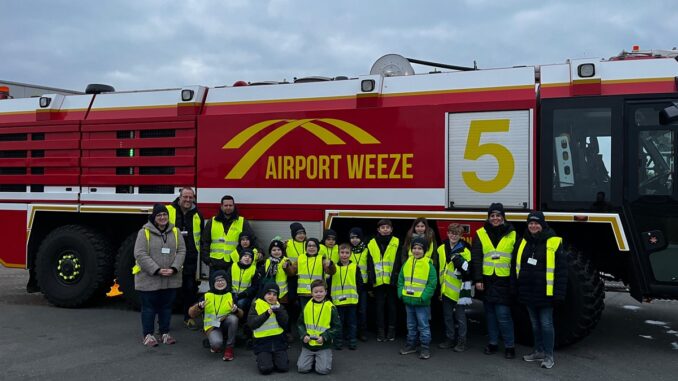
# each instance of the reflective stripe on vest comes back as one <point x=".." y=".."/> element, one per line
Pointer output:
<point x="344" y="286"/>
<point x="427" y="254"/>
<point x="415" y="272"/>
<point x="295" y="249"/>
<point x="241" y="279"/>
<point x="317" y="318"/>
<point x="308" y="270"/>
<point x="270" y="326"/>
<point x="136" y="268"/>
<point x="216" y="307"/>
<point x="224" y="244"/>
<point x="383" y="263"/>
<point x="497" y="260"/>
<point x="330" y="253"/>
<point x="361" y="260"/>
<point x="196" y="224"/>
<point x="551" y="248"/>
<point x="280" y="276"/>
<point x="450" y="280"/>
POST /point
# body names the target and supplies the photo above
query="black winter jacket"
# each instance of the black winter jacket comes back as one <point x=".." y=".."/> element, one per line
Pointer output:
<point x="271" y="343"/>
<point x="206" y="240"/>
<point x="500" y="290"/>
<point x="184" y="222"/>
<point x="531" y="281"/>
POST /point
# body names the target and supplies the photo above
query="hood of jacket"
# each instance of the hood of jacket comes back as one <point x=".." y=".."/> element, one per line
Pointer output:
<point x="214" y="275"/>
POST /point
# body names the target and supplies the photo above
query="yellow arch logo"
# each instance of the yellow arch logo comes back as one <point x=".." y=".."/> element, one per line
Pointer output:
<point x="328" y="137"/>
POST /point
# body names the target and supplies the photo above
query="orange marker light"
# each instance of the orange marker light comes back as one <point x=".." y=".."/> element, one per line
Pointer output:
<point x="636" y="48"/>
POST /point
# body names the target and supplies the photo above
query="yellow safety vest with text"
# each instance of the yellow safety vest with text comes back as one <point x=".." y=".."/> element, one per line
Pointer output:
<point x="241" y="279"/>
<point x="224" y="244"/>
<point x="197" y="227"/>
<point x="317" y="318"/>
<point x="415" y="273"/>
<point x="450" y="281"/>
<point x="280" y="276"/>
<point x="383" y="262"/>
<point x="308" y="270"/>
<point x="270" y="326"/>
<point x="216" y="307"/>
<point x="344" y="287"/>
<point x="551" y="248"/>
<point x="497" y="260"/>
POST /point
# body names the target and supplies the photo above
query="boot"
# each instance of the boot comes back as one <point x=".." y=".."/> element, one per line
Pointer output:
<point x="491" y="349"/>
<point x="424" y="353"/>
<point x="380" y="335"/>
<point x="510" y="353"/>
<point x="391" y="334"/>
<point x="447" y="344"/>
<point x="461" y="345"/>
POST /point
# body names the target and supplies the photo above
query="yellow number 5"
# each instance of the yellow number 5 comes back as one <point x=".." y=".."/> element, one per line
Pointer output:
<point x="474" y="150"/>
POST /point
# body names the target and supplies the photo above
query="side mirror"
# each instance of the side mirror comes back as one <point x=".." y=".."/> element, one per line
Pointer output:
<point x="654" y="241"/>
<point x="669" y="114"/>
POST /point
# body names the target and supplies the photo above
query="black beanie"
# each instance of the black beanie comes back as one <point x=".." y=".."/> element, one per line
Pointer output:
<point x="538" y="217"/>
<point x="157" y="209"/>
<point x="496" y="207"/>
<point x="421" y="241"/>
<point x="295" y="227"/>
<point x="358" y="232"/>
<point x="247" y="252"/>
<point x="329" y="233"/>
<point x="276" y="243"/>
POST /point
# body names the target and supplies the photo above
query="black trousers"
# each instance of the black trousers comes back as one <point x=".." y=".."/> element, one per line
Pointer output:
<point x="385" y="303"/>
<point x="267" y="362"/>
<point x="189" y="293"/>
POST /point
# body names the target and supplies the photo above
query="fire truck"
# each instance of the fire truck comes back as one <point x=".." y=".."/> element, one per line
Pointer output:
<point x="590" y="142"/>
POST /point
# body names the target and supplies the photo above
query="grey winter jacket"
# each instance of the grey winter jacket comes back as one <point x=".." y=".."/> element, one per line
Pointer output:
<point x="149" y="256"/>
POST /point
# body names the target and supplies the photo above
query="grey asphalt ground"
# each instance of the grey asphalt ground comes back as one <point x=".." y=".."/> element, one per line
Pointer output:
<point x="38" y="341"/>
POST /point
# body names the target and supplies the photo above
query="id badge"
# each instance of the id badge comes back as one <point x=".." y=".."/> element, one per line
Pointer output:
<point x="531" y="261"/>
<point x="165" y="250"/>
<point x="495" y="256"/>
<point x="184" y="232"/>
<point x="409" y="291"/>
<point x="222" y="240"/>
<point x="342" y="298"/>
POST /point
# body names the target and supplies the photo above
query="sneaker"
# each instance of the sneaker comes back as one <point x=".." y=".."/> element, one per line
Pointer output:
<point x="150" y="341"/>
<point x="510" y="353"/>
<point x="534" y="356"/>
<point x="447" y="344"/>
<point x="228" y="354"/>
<point x="491" y="349"/>
<point x="380" y="336"/>
<point x="461" y="345"/>
<point x="425" y="354"/>
<point x="391" y="334"/>
<point x="206" y="343"/>
<point x="167" y="339"/>
<point x="191" y="324"/>
<point x="408" y="349"/>
<point x="548" y="362"/>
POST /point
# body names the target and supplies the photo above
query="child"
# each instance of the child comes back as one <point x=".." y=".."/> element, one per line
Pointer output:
<point x="317" y="325"/>
<point x="311" y="266"/>
<point x="345" y="284"/>
<point x="247" y="241"/>
<point x="328" y="246"/>
<point x="455" y="287"/>
<point x="296" y="245"/>
<point x="359" y="254"/>
<point x="267" y="319"/>
<point x="383" y="265"/>
<point x="416" y="285"/>
<point x="419" y="228"/>
<point x="221" y="315"/>
<point x="276" y="269"/>
<point x="244" y="279"/>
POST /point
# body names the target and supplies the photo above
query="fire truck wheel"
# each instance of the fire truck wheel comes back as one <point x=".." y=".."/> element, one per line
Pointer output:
<point x="584" y="303"/>
<point x="74" y="264"/>
<point x="123" y="271"/>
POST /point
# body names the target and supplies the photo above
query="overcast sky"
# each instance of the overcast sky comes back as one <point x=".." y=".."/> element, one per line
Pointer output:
<point x="142" y="44"/>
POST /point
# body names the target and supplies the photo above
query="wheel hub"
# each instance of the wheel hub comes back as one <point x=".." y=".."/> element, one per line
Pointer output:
<point x="68" y="268"/>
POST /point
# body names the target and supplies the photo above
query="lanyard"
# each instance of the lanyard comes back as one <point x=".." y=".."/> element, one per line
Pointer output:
<point x="343" y="281"/>
<point x="240" y="280"/>
<point x="315" y="259"/>
<point x="414" y="264"/>
<point x="315" y="321"/>
<point x="295" y="247"/>
<point x="218" y="308"/>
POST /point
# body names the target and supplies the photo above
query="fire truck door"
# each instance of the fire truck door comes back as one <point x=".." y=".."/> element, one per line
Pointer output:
<point x="490" y="159"/>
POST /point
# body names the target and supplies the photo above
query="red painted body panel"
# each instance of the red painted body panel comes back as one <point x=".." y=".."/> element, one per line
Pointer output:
<point x="13" y="253"/>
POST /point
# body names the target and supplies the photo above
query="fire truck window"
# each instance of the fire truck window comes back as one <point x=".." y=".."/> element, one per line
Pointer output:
<point x="582" y="153"/>
<point x="655" y="163"/>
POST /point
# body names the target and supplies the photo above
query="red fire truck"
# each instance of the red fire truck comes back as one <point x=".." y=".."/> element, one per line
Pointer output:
<point x="589" y="142"/>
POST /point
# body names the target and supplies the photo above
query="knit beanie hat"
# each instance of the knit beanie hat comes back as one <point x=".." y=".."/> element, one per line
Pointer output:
<point x="419" y="241"/>
<point x="329" y="233"/>
<point x="538" y="217"/>
<point x="358" y="232"/>
<point x="157" y="209"/>
<point x="278" y="244"/>
<point x="295" y="227"/>
<point x="245" y="252"/>
<point x="496" y="207"/>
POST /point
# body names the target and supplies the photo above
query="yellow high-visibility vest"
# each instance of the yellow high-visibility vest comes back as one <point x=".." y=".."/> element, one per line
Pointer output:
<point x="551" y="248"/>
<point x="383" y="262"/>
<point x="197" y="227"/>
<point x="360" y="259"/>
<point x="344" y="287"/>
<point x="280" y="276"/>
<point x="450" y="282"/>
<point x="216" y="307"/>
<point x="295" y="249"/>
<point x="497" y="260"/>
<point x="308" y="270"/>
<point x="241" y="279"/>
<point x="224" y="244"/>
<point x="415" y="272"/>
<point x="270" y="326"/>
<point x="317" y="318"/>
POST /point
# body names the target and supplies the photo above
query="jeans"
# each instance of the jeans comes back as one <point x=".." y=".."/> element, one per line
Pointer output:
<point x="349" y="325"/>
<point x="455" y="317"/>
<point x="227" y="329"/>
<point x="542" y="329"/>
<point x="499" y="319"/>
<point x="417" y="323"/>
<point x="362" y="311"/>
<point x="385" y="297"/>
<point x="156" y="303"/>
<point x="189" y="293"/>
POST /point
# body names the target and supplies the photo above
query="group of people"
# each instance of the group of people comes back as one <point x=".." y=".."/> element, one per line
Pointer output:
<point x="325" y="287"/>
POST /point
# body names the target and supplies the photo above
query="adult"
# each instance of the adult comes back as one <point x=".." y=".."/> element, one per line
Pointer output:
<point x="159" y="252"/>
<point x="220" y="236"/>
<point x="541" y="277"/>
<point x="491" y="255"/>
<point x="185" y="216"/>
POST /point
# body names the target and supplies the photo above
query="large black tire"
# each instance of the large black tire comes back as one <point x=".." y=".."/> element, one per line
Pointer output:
<point x="74" y="264"/>
<point x="123" y="271"/>
<point x="579" y="314"/>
